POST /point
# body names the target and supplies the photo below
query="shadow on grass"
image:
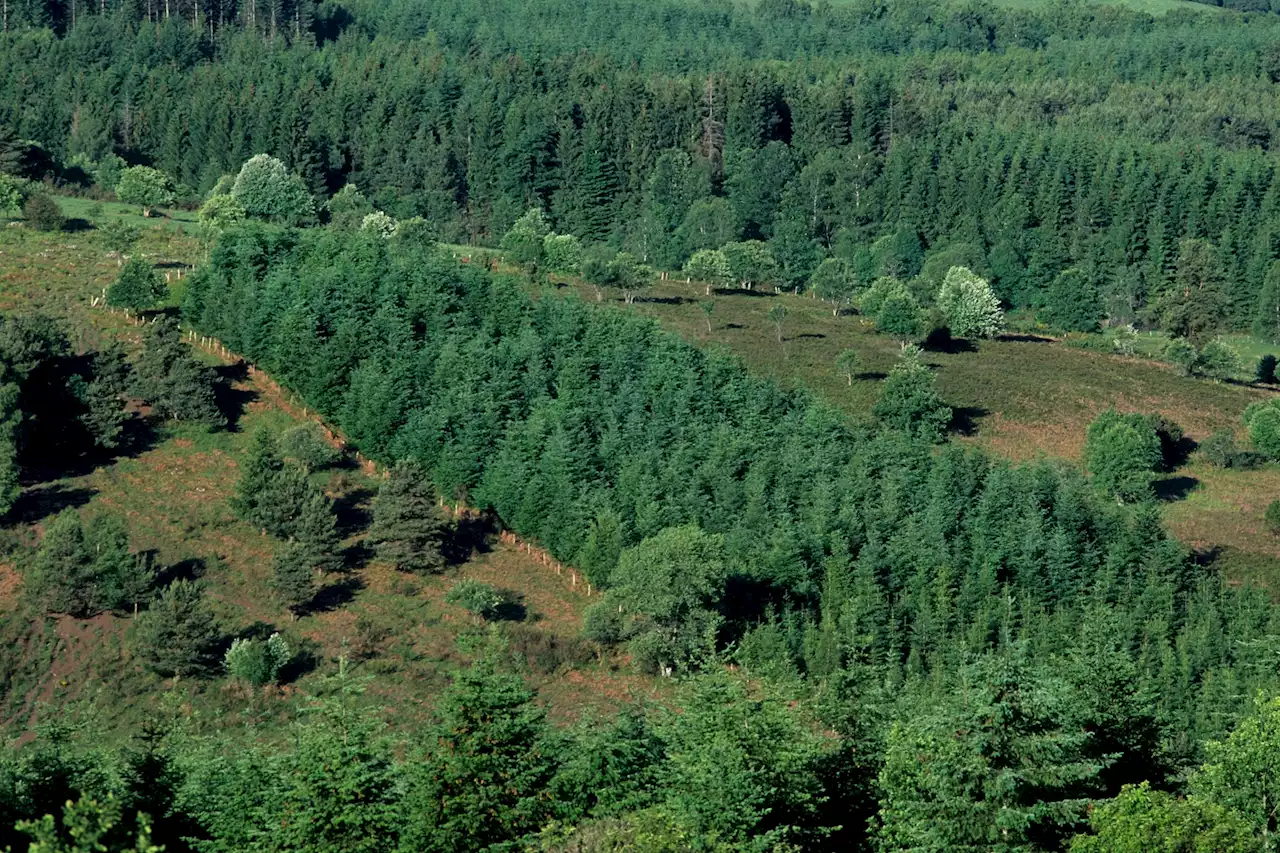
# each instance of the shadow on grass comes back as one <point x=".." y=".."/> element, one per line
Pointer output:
<point x="738" y="291"/>
<point x="1174" y="488"/>
<point x="964" y="419"/>
<point x="512" y="608"/>
<point x="469" y="537"/>
<point x="1025" y="339"/>
<point x="803" y="335"/>
<point x="232" y="401"/>
<point x="734" y="326"/>
<point x="190" y="569"/>
<point x="38" y="503"/>
<point x="333" y="595"/>
<point x="940" y="341"/>
<point x="664" y="300"/>
<point x="77" y="225"/>
<point x="352" y="510"/>
<point x="871" y="375"/>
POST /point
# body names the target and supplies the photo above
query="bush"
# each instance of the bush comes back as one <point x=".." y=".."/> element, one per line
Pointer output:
<point x="1122" y="451"/>
<point x="1183" y="355"/>
<point x="909" y="401"/>
<point x="1264" y="430"/>
<point x="138" y="287"/>
<point x="1218" y="361"/>
<point x="258" y="662"/>
<point x="1272" y="517"/>
<point x="1219" y="449"/>
<point x="480" y="599"/>
<point x="1265" y="372"/>
<point x="42" y="213"/>
<point x="1173" y="451"/>
<point x="306" y="445"/>
<point x="603" y="624"/>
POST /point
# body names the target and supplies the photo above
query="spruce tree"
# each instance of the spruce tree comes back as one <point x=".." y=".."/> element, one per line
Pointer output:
<point x="177" y="635"/>
<point x="65" y="572"/>
<point x="407" y="530"/>
<point x="258" y="469"/>
<point x="293" y="576"/>
<point x="316" y="531"/>
<point x="488" y="764"/>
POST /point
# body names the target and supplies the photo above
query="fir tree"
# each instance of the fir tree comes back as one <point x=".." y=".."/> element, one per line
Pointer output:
<point x="293" y="576"/>
<point x="177" y="635"/>
<point x="407" y="530"/>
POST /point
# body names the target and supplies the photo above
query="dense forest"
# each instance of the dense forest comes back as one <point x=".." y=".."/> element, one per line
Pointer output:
<point x="880" y="640"/>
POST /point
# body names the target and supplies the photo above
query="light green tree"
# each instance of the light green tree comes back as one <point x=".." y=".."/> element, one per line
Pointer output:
<point x="1242" y="774"/>
<point x="524" y="242"/>
<point x="266" y="189"/>
<point x="836" y="282"/>
<point x="138" y="287"/>
<point x="970" y="305"/>
<point x="1122" y="451"/>
<point x="1142" y="820"/>
<point x="146" y="187"/>
<point x="710" y="267"/>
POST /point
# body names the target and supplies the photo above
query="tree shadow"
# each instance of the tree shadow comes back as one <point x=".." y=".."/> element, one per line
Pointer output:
<point x="469" y="537"/>
<point x="229" y="399"/>
<point x="38" y="503"/>
<point x="664" y="300"/>
<point x="871" y="375"/>
<point x="734" y="326"/>
<point x="305" y="659"/>
<point x="77" y="226"/>
<point x="941" y="341"/>
<point x="331" y="596"/>
<point x="964" y="419"/>
<point x="356" y="556"/>
<point x="512" y="608"/>
<point x="738" y="291"/>
<point x="352" y="510"/>
<point x="806" y="335"/>
<point x="1025" y="339"/>
<point x="190" y="569"/>
<point x="1174" y="488"/>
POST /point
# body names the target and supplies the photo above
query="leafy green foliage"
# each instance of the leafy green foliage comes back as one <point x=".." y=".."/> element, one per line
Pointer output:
<point x="1143" y="820"/>
<point x="146" y="187"/>
<point x="1265" y="371"/>
<point x="970" y="305"/>
<point x="909" y="400"/>
<point x="138" y="287"/>
<point x="836" y="282"/>
<point x="87" y="826"/>
<point x="1122" y="451"/>
<point x="524" y="242"/>
<point x="1264" y="428"/>
<point x="1241" y="773"/>
<point x="265" y="189"/>
<point x="847" y="364"/>
<point x="307" y="445"/>
<point x="257" y="662"/>
<point x="1072" y="302"/>
<point x="42" y="213"/>
<point x="477" y="598"/>
<point x="709" y="266"/>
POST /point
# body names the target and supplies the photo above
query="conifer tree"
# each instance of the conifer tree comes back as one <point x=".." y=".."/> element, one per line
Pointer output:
<point x="316" y="532"/>
<point x="407" y="529"/>
<point x="177" y="635"/>
<point x="258" y="470"/>
<point x="105" y="414"/>
<point x="64" y="571"/>
<point x="293" y="576"/>
<point x="487" y="767"/>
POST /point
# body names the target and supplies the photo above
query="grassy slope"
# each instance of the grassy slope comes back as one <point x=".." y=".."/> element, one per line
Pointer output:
<point x="173" y="496"/>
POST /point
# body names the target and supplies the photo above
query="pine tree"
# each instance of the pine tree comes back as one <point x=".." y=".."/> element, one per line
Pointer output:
<point x="104" y="397"/>
<point x="293" y="576"/>
<point x="64" y="571"/>
<point x="316" y="532"/>
<point x="487" y="766"/>
<point x="258" y="470"/>
<point x="177" y="635"/>
<point x="407" y="530"/>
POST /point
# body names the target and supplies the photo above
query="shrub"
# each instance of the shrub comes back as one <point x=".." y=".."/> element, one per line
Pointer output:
<point x="145" y="187"/>
<point x="138" y="287"/>
<point x="970" y="305"/>
<point x="1122" y="451"/>
<point x="603" y="624"/>
<point x="379" y="223"/>
<point x="1264" y="430"/>
<point x="910" y="402"/>
<point x="42" y="213"/>
<point x="306" y="445"/>
<point x="1265" y="372"/>
<point x="257" y="662"/>
<point x="1220" y="450"/>
<point x="480" y="599"/>
<point x="1218" y="361"/>
<point x="1272" y="517"/>
<point x="1183" y="355"/>
<point x="266" y="189"/>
